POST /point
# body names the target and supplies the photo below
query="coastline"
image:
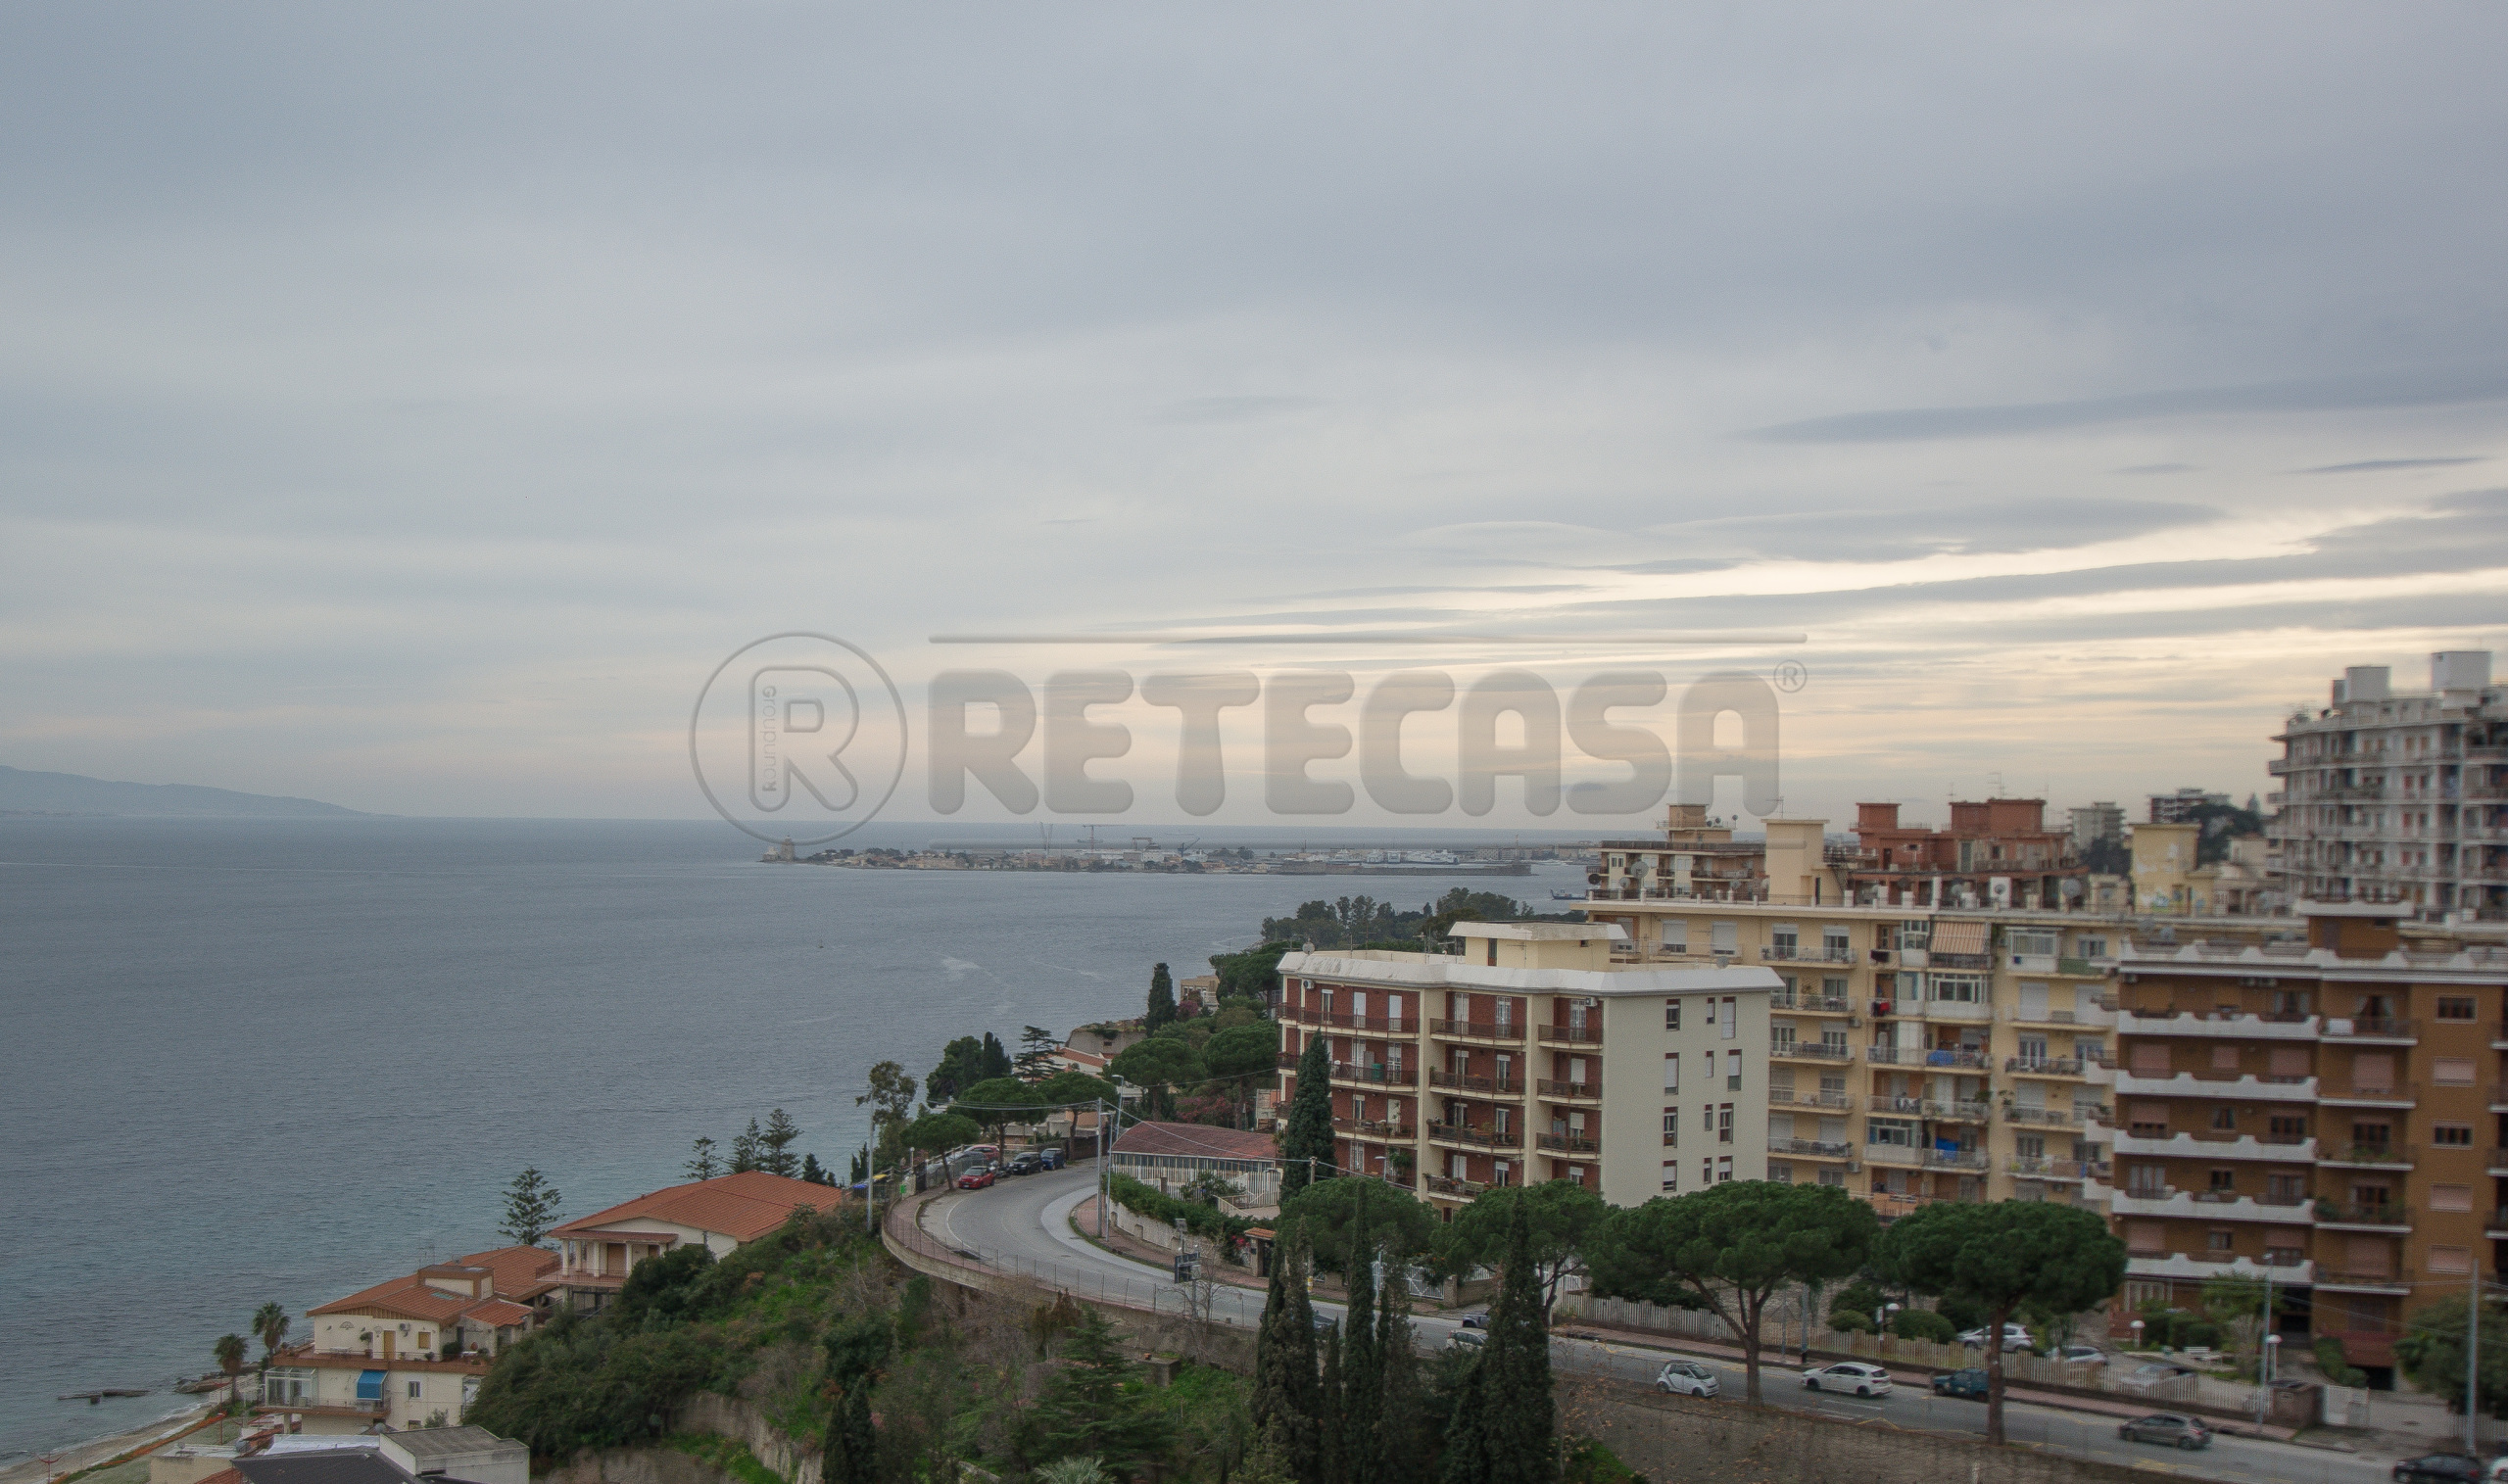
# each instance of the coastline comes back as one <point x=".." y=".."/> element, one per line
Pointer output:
<point x="97" y="1452"/>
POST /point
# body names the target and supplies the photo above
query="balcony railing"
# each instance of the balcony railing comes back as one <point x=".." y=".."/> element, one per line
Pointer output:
<point x="1955" y="1159"/>
<point x="2346" y="1089"/>
<point x="1383" y="1025"/>
<point x="1464" y="1081"/>
<point x="2038" y="1166"/>
<point x="2368" y="1154"/>
<point x="1810" y="1004"/>
<point x="2361" y="1277"/>
<point x="2380" y="1028"/>
<point x="2024" y="1113"/>
<point x="1375" y="1129"/>
<point x="2044" y="1066"/>
<point x="1484" y="1030"/>
<point x="1841" y="1101"/>
<point x="1815" y="1148"/>
<point x="1587" y="1092"/>
<point x="2348" y="1214"/>
<point x="1375" y="1074"/>
<point x="1478" y="1138"/>
<point x="1588" y="1036"/>
<point x="1816" y="1051"/>
<point x="1567" y="1143"/>
<point x="1929" y="1056"/>
<point x="1438" y="1184"/>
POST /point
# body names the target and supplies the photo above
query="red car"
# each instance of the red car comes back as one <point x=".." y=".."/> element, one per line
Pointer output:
<point x="975" y="1179"/>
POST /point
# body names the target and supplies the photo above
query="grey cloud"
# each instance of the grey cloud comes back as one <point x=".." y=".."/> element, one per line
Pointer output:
<point x="1234" y="409"/>
<point x="2382" y="466"/>
<point x="2158" y="469"/>
<point x="1867" y="533"/>
<point x="2428" y="388"/>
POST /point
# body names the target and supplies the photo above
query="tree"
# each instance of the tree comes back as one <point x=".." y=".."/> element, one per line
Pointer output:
<point x="890" y="1097"/>
<point x="1562" y="1217"/>
<point x="775" y="1153"/>
<point x="1328" y="1212"/>
<point x="812" y="1171"/>
<point x="269" y="1322"/>
<point x="1089" y="1410"/>
<point x="938" y="1132"/>
<point x="2005" y="1255"/>
<point x="1288" y="1392"/>
<point x="1251" y="975"/>
<point x="1245" y="1058"/>
<point x="532" y="1207"/>
<point x="996" y="1102"/>
<point x="229" y="1351"/>
<point x="1162" y="1001"/>
<point x="702" y="1164"/>
<point x="2431" y="1354"/>
<point x="1037" y="1050"/>
<point x="1511" y="1435"/>
<point x="1306" y="1142"/>
<point x="856" y="1438"/>
<point x="992" y="1059"/>
<point x="1158" y="1064"/>
<point x="749" y="1149"/>
<point x="1356" y="1412"/>
<point x="1073" y="1086"/>
<point x="2235" y="1301"/>
<point x="1732" y="1247"/>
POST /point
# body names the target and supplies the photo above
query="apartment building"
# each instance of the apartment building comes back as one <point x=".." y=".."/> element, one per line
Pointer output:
<point x="2329" y="1111"/>
<point x="2399" y="798"/>
<point x="1541" y="1051"/>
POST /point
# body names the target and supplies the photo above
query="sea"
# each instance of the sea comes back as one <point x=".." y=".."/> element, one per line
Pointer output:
<point x="256" y="1059"/>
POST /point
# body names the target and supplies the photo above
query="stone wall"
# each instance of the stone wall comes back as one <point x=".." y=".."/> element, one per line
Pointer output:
<point x="636" y="1466"/>
<point x="1681" y="1440"/>
<point x="729" y="1417"/>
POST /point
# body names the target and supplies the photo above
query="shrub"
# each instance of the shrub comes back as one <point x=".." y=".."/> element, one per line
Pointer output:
<point x="1150" y="1201"/>
<point x="2336" y="1365"/>
<point x="1847" y="1322"/>
<point x="1858" y="1298"/>
<point x="1922" y="1324"/>
<point x="1590" y="1463"/>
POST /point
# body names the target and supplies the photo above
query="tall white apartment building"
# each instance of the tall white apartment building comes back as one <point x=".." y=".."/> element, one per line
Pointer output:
<point x="2398" y="797"/>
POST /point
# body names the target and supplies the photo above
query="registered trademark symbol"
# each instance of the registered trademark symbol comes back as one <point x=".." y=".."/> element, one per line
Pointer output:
<point x="1791" y="676"/>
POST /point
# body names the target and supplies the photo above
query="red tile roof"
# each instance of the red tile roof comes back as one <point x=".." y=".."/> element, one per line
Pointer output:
<point x="497" y="1312"/>
<point x="520" y="1271"/>
<point x="1197" y="1139"/>
<point x="408" y="1298"/>
<point x="742" y="1207"/>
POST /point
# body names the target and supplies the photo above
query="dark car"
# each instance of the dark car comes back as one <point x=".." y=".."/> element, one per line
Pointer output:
<point x="2173" y="1428"/>
<point x="1970" y="1383"/>
<point x="1050" y="1159"/>
<point x="1025" y="1162"/>
<point x="2438" y="1468"/>
<point x="975" y="1179"/>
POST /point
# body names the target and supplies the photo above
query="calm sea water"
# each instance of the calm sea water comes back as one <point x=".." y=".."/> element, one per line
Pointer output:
<point x="282" y="1060"/>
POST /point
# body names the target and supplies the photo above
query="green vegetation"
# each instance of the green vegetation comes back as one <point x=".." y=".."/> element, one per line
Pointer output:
<point x="1562" y="1217"/>
<point x="1923" y="1324"/>
<point x="1352" y="922"/>
<point x="2338" y="1366"/>
<point x="2010" y="1257"/>
<point x="964" y="1063"/>
<point x="730" y="1457"/>
<point x="1506" y="1431"/>
<point x="1200" y="1219"/>
<point x="1162" y="1001"/>
<point x="230" y="1350"/>
<point x="2430" y="1350"/>
<point x="1333" y="1211"/>
<point x="1251" y="975"/>
<point x="532" y="1207"/>
<point x="1733" y="1247"/>
<point x="1306" y="1135"/>
<point x="269" y="1322"/>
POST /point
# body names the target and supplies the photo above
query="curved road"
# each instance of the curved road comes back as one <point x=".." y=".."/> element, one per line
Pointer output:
<point x="1023" y="1225"/>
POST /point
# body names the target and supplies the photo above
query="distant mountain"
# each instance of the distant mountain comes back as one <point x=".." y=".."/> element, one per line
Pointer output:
<point x="23" y="793"/>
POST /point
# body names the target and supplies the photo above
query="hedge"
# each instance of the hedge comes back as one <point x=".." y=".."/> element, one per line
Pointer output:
<point x="1158" y="1206"/>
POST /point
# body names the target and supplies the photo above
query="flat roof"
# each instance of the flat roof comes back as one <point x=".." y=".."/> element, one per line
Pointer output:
<point x="1543" y="933"/>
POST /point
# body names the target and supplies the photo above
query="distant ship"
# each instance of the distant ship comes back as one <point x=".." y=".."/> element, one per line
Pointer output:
<point x="1558" y="894"/>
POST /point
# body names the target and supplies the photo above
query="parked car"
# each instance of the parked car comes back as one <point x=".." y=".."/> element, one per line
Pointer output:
<point x="2438" y="1468"/>
<point x="1864" y="1380"/>
<point x="2078" y="1355"/>
<point x="975" y="1179"/>
<point x="1050" y="1159"/>
<point x="1971" y="1383"/>
<point x="1025" y="1162"/>
<point x="2170" y="1428"/>
<point x="1467" y="1339"/>
<point x="2015" y="1337"/>
<point x="2152" y="1374"/>
<point x="1478" y="1319"/>
<point x="1685" y="1378"/>
<point x="1323" y="1321"/>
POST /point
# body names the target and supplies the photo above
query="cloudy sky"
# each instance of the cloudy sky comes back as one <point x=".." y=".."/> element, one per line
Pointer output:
<point x="410" y="409"/>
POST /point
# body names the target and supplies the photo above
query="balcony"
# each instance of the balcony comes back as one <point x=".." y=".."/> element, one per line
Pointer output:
<point x="1463" y="1081"/>
<point x="2348" y="1092"/>
<point x="2280" y="1149"/>
<point x="1573" y="1038"/>
<point x="1461" y="1190"/>
<point x="2243" y="1028"/>
<point x="1570" y="1092"/>
<point x="1955" y="1159"/>
<point x="1373" y="1074"/>
<point x="1948" y="1010"/>
<point x="1812" y="1149"/>
<point x="1928" y="1056"/>
<point x="1906" y="1155"/>
<point x="2363" y="1280"/>
<point x="2178" y="1265"/>
<point x="1958" y="1111"/>
<point x="2244" y="1086"/>
<point x="1567" y="1143"/>
<point x="1812" y="1051"/>
<point x="1841" y="1101"/>
<point x="1810" y="1004"/>
<point x="1889" y="1207"/>
<point x="2044" y="1066"/>
<point x="2210" y="1206"/>
<point x="2369" y="1157"/>
<point x="2377" y="1029"/>
<point x="1463" y="1135"/>
<point x="2037" y="1167"/>
<point x="1375" y="1129"/>
<point x="1375" y="1025"/>
<point x="2038" y="1114"/>
<point x="1494" y="1032"/>
<point x="2015" y="1016"/>
<point x="2345" y="1216"/>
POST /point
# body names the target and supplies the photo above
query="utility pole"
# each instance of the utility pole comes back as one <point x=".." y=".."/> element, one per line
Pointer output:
<point x="2263" y="1353"/>
<point x="2473" y="1362"/>
<point x="1102" y="1184"/>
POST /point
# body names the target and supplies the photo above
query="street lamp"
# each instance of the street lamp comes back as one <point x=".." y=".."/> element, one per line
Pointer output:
<point x="2137" y="1334"/>
<point x="1880" y="1321"/>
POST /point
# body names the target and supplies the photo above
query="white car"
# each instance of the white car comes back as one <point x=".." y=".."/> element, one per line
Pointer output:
<point x="2078" y="1355"/>
<point x="1849" y="1376"/>
<point x="1687" y="1377"/>
<point x="2015" y="1339"/>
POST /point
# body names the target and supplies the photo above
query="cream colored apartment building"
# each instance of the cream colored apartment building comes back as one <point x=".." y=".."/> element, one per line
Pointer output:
<point x="1541" y="1051"/>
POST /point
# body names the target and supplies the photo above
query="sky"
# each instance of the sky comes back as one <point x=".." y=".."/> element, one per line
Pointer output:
<point x="412" y="407"/>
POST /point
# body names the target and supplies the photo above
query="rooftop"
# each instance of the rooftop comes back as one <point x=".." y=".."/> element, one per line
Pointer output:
<point x="1197" y="1139"/>
<point x="1542" y="932"/>
<point x="744" y="1207"/>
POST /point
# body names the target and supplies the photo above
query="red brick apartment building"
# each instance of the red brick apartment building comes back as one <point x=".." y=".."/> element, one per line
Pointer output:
<point x="2332" y="1113"/>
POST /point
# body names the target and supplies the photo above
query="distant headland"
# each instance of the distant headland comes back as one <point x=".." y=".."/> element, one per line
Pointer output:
<point x="22" y="792"/>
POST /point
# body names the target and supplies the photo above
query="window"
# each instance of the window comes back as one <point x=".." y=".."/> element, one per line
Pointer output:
<point x="1830" y="1177"/>
<point x="2285" y="1190"/>
<point x="1780" y="1036"/>
<point x="1576" y="1174"/>
<point x="2455" y="1135"/>
<point x="2289" y="1064"/>
<point x="414" y="1389"/>
<point x="1782" y="940"/>
<point x="2225" y="1118"/>
<point x="1724" y="1125"/>
<point x="1671" y="1127"/>
<point x="1897" y="1133"/>
<point x="2288" y="1129"/>
<point x="1671" y="1072"/>
<point x="2456" y="1007"/>
<point x="1733" y="1073"/>
<point x="2457" y="1260"/>
<point x="1733" y="1017"/>
<point x="2224" y="1179"/>
<point x="2218" y="1240"/>
<point x="1833" y="988"/>
<point x="2224" y="1058"/>
<point x="1671" y="1175"/>
<point x="1725" y="938"/>
<point x="1723" y="1168"/>
<point x="2090" y="947"/>
<point x="1671" y="1015"/>
<point x="2450" y="1071"/>
<point x="1780" y="1174"/>
<point x="1959" y="988"/>
<point x="1835" y="943"/>
<point x="2451" y="1197"/>
<point x="1676" y="936"/>
<point x="1710" y="1009"/>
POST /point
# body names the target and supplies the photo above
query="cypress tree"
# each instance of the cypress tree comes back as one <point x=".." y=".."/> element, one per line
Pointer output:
<point x="1289" y="1398"/>
<point x="1358" y="1405"/>
<point x="1309" y="1134"/>
<point x="1162" y="1000"/>
<point x="858" y="1441"/>
<point x="1518" y="1434"/>
<point x="1465" y="1459"/>
<point x="1403" y="1443"/>
<point x="1332" y="1454"/>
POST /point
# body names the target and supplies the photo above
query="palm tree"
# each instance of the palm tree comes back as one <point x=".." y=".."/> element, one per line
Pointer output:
<point x="270" y="1323"/>
<point x="230" y="1352"/>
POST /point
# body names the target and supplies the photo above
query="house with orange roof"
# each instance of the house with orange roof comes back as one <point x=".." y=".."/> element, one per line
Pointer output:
<point x="595" y="1253"/>
<point x="411" y="1349"/>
